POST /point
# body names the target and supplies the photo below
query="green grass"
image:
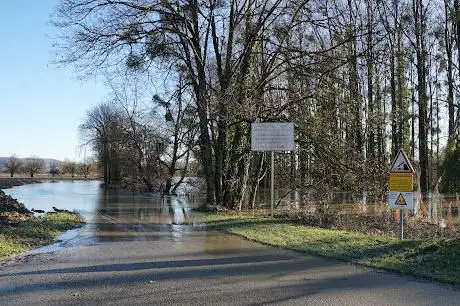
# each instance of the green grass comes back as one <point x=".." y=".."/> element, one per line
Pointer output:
<point x="432" y="259"/>
<point x="22" y="236"/>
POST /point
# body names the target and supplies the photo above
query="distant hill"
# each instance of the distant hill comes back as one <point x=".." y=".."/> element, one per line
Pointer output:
<point x="48" y="161"/>
<point x="3" y="162"/>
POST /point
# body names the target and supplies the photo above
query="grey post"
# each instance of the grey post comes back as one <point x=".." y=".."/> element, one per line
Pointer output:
<point x="272" y="182"/>
<point x="401" y="223"/>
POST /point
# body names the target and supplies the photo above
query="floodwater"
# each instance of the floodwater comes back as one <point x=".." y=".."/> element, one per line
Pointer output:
<point x="112" y="215"/>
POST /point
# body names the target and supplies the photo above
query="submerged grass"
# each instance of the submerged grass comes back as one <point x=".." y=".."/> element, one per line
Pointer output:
<point x="434" y="259"/>
<point x="20" y="236"/>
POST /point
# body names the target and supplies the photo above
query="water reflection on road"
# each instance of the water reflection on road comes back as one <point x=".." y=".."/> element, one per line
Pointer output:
<point x="125" y="216"/>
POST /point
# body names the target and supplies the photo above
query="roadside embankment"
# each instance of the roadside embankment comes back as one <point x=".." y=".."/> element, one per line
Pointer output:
<point x="17" y="236"/>
<point x="11" y="209"/>
<point x="21" y="230"/>
<point x="433" y="259"/>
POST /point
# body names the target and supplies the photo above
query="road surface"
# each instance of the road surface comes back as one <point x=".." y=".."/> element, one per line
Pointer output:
<point x="118" y="261"/>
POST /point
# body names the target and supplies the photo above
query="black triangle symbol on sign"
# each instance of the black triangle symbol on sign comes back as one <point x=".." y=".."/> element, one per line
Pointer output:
<point x="400" y="200"/>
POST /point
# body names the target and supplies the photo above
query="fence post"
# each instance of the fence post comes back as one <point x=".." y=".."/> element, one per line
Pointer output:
<point x="457" y="204"/>
<point x="429" y="209"/>
<point x="435" y="208"/>
<point x="449" y="216"/>
<point x="417" y="203"/>
<point x="364" y="201"/>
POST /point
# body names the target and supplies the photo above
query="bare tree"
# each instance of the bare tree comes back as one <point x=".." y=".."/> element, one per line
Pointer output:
<point x="102" y="130"/>
<point x="54" y="168"/>
<point x="179" y="127"/>
<point x="34" y="165"/>
<point x="69" y="167"/>
<point x="86" y="167"/>
<point x="420" y="29"/>
<point x="13" y="165"/>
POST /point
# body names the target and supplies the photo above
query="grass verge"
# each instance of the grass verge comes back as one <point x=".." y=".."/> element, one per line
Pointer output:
<point x="437" y="260"/>
<point x="21" y="236"/>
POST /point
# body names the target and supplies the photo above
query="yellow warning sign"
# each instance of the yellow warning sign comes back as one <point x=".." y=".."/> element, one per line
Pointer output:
<point x="400" y="200"/>
<point x="402" y="182"/>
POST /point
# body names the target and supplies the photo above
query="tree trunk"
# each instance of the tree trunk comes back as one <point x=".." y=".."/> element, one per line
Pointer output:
<point x="402" y="109"/>
<point x="245" y="165"/>
<point x="184" y="172"/>
<point x="422" y="95"/>
<point x="370" y="85"/>
<point x="259" y="175"/>
<point x="220" y="157"/>
<point x="381" y="121"/>
<point x="202" y="102"/>
<point x="205" y="139"/>
<point x="394" y="111"/>
<point x="450" y="79"/>
<point x="413" y="123"/>
<point x="457" y="29"/>
<point x="105" y="163"/>
<point x="354" y="86"/>
<point x="232" y="171"/>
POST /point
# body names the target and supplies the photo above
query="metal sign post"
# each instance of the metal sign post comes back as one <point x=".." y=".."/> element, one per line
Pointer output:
<point x="401" y="224"/>
<point x="401" y="187"/>
<point x="271" y="137"/>
<point x="272" y="183"/>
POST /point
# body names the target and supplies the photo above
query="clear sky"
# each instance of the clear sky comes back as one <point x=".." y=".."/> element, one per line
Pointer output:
<point x="41" y="105"/>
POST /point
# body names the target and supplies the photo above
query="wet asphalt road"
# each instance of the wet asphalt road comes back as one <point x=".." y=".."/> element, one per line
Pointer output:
<point x="117" y="260"/>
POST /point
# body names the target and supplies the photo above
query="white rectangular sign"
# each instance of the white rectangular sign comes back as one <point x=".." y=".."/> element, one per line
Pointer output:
<point x="401" y="200"/>
<point x="272" y="136"/>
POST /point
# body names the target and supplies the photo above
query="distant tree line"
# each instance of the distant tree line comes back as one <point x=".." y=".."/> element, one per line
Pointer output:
<point x="360" y="79"/>
<point x="34" y="165"/>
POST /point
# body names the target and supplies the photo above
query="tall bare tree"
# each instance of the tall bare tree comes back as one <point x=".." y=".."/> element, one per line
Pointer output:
<point x="102" y="130"/>
<point x="69" y="167"/>
<point x="34" y="165"/>
<point x="13" y="165"/>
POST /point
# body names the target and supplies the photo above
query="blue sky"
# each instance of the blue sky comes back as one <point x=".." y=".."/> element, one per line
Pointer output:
<point x="41" y="105"/>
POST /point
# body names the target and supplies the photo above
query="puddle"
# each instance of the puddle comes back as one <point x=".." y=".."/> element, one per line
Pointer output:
<point x="73" y="238"/>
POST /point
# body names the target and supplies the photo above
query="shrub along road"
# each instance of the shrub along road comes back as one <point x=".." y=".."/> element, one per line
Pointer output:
<point x="178" y="264"/>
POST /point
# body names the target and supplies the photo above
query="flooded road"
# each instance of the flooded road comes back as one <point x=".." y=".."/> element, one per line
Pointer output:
<point x="111" y="215"/>
<point x="137" y="250"/>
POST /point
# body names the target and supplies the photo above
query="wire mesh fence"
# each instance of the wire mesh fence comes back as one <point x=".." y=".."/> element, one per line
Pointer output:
<point x="434" y="215"/>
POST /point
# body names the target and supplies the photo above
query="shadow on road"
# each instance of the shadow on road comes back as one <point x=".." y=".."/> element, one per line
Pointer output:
<point x="161" y="265"/>
<point x="142" y="272"/>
